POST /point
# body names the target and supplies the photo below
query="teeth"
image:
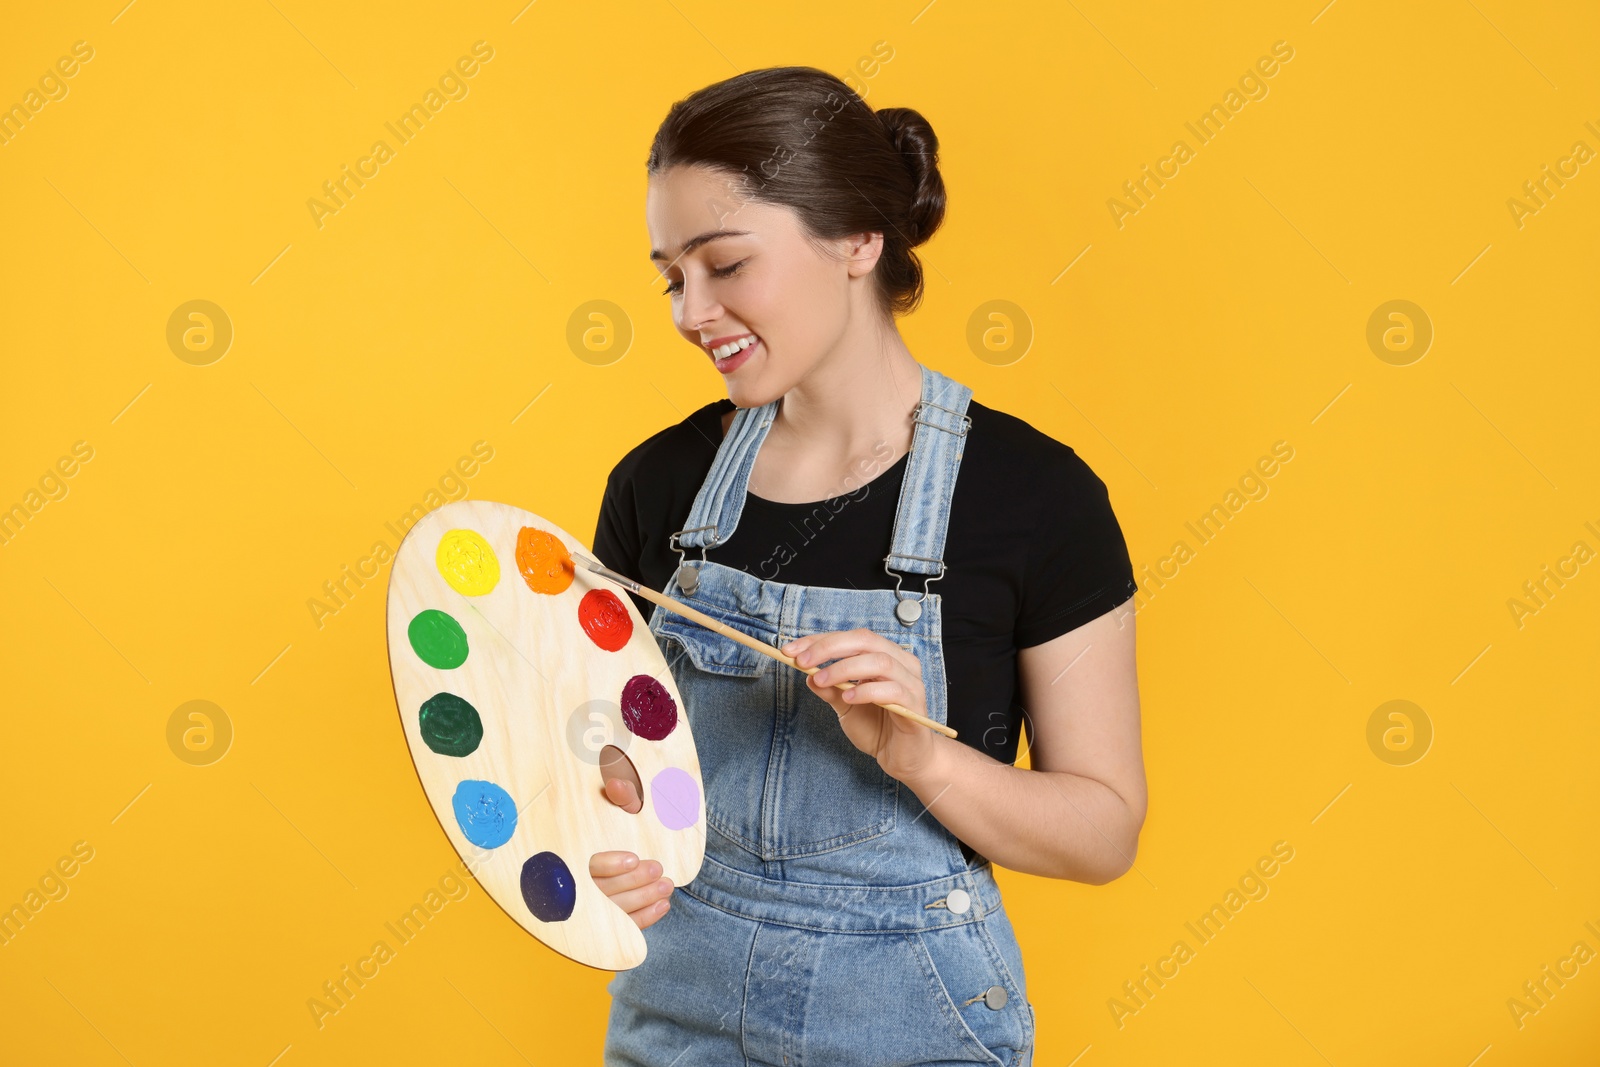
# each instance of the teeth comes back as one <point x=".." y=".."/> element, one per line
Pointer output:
<point x="724" y="351"/>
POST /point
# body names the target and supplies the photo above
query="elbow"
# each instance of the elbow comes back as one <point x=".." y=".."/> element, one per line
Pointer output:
<point x="1127" y="850"/>
<point x="1113" y="871"/>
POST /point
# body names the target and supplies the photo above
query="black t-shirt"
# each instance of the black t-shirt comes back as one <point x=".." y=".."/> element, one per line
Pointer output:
<point x="1032" y="551"/>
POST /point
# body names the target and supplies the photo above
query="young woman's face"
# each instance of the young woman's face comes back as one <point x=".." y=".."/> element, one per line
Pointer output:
<point x="763" y="277"/>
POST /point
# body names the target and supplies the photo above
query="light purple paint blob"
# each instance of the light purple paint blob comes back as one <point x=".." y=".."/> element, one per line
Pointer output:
<point x="675" y="798"/>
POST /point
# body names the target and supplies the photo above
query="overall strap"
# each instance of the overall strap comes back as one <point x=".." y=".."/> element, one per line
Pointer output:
<point x="720" y="501"/>
<point x="923" y="516"/>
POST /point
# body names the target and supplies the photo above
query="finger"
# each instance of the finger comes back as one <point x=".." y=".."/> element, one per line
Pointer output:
<point x="819" y="648"/>
<point x="638" y="877"/>
<point x="645" y="902"/>
<point x="621" y="793"/>
<point x="879" y="693"/>
<point x="903" y="656"/>
<point x="613" y="862"/>
<point x="794" y="648"/>
<point x="831" y="695"/>
<point x="863" y="666"/>
<point x="836" y="688"/>
<point x="651" y="914"/>
<point x="800" y="644"/>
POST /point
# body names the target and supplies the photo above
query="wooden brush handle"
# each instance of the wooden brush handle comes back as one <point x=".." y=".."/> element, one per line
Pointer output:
<point x="677" y="607"/>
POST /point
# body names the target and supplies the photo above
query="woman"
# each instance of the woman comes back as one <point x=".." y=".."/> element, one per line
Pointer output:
<point x="846" y="911"/>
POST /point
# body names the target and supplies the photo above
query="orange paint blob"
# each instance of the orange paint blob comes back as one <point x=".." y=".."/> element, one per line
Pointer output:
<point x="543" y="561"/>
<point x="605" y="619"/>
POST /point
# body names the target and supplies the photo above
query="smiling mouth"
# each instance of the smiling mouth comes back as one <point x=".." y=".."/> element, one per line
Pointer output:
<point x="732" y="348"/>
<point x="737" y="354"/>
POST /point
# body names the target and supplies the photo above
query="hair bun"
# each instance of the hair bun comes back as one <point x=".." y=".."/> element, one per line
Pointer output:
<point x="913" y="137"/>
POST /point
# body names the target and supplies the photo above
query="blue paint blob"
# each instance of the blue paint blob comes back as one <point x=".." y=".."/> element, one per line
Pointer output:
<point x="485" y="813"/>
<point x="548" y="887"/>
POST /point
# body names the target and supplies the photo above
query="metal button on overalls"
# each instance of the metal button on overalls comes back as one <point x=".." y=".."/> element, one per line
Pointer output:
<point x="834" y="919"/>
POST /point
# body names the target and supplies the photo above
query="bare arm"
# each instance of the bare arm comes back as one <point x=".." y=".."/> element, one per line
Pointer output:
<point x="1077" y="813"/>
<point x="1074" y="814"/>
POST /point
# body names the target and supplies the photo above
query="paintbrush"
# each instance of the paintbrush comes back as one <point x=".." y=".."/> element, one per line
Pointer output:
<point x="680" y="608"/>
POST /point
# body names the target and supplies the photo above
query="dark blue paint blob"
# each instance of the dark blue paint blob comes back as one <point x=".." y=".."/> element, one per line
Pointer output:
<point x="548" y="888"/>
<point x="485" y="813"/>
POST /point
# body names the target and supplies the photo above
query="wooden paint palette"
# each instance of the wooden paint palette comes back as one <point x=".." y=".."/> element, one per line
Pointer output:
<point x="515" y="674"/>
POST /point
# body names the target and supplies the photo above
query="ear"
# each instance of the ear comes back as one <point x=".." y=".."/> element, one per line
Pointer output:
<point x="861" y="251"/>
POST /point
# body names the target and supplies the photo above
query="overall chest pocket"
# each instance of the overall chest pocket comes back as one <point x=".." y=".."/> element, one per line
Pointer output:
<point x="781" y="778"/>
<point x="709" y="651"/>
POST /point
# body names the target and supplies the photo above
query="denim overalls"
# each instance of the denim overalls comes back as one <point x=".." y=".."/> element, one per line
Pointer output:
<point x="834" y="920"/>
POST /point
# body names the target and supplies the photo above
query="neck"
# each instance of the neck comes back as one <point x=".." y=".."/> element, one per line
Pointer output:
<point x="860" y="394"/>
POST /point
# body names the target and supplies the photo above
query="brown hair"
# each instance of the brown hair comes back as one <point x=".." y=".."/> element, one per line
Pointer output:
<point x="802" y="138"/>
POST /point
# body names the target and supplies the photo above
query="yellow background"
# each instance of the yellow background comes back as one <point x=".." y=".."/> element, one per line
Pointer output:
<point x="1230" y="312"/>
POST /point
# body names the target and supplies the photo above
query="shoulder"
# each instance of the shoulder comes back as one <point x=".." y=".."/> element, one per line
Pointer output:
<point x="680" y="449"/>
<point x="1007" y="450"/>
<point x="1073" y="565"/>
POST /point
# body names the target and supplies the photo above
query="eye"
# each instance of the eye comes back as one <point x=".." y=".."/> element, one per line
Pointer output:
<point x="716" y="272"/>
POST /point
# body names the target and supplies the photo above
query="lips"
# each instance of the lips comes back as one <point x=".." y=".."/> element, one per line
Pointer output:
<point x="737" y="359"/>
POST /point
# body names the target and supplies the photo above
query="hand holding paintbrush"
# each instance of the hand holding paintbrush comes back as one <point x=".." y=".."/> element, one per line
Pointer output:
<point x="680" y="608"/>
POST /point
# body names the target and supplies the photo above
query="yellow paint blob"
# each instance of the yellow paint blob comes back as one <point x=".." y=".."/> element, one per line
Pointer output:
<point x="467" y="563"/>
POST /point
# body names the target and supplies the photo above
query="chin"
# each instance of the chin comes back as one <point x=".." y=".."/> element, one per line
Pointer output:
<point x="745" y="397"/>
<point x="755" y="384"/>
<point x="751" y="393"/>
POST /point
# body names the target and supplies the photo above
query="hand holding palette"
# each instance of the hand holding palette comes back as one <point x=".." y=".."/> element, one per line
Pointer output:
<point x="514" y="671"/>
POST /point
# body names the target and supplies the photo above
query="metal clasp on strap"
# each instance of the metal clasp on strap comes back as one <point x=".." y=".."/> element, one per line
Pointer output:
<point x="688" y="577"/>
<point x="906" y="609"/>
<point x="965" y="420"/>
<point x="673" y="540"/>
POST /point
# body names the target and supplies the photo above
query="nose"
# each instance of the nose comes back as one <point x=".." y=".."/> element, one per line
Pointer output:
<point x="696" y="306"/>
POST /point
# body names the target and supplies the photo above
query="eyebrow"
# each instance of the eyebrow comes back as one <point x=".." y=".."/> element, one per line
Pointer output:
<point x="695" y="242"/>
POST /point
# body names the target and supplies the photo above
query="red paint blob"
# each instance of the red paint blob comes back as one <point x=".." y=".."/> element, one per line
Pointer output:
<point x="605" y="619"/>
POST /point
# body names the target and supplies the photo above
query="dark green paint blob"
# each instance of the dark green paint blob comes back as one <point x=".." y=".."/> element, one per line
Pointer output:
<point x="438" y="639"/>
<point x="450" y="725"/>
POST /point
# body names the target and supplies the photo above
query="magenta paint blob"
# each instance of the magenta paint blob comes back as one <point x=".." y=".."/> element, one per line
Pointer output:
<point x="647" y="708"/>
<point x="675" y="798"/>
